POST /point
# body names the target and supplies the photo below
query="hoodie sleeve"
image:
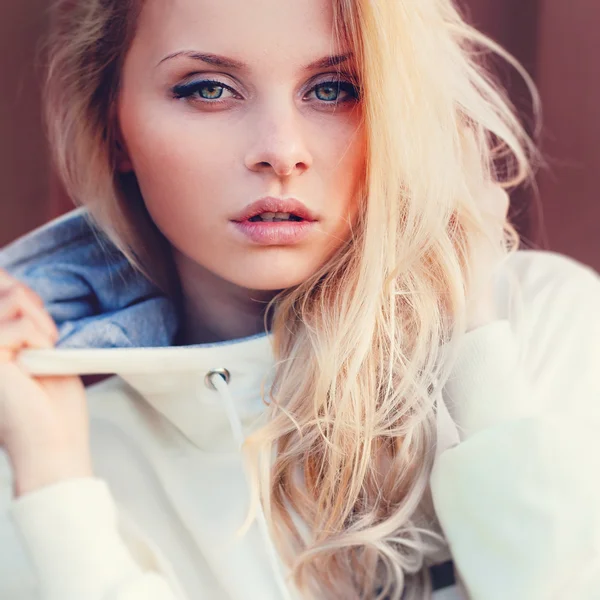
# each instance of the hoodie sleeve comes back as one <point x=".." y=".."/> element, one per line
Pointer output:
<point x="519" y="498"/>
<point x="71" y="532"/>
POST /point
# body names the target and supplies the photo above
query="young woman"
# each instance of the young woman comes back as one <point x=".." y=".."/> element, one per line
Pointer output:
<point x="335" y="370"/>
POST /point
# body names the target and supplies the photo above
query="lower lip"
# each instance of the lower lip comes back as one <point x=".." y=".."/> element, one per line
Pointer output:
<point x="275" y="233"/>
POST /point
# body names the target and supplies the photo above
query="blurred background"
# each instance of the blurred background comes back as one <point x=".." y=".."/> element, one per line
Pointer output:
<point x="556" y="40"/>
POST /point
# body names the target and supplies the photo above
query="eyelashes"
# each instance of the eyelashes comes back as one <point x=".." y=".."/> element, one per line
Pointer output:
<point x="336" y="86"/>
<point x="195" y="91"/>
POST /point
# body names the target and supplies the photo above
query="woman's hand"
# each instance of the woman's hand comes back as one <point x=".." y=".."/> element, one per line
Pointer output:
<point x="488" y="251"/>
<point x="481" y="307"/>
<point x="44" y="424"/>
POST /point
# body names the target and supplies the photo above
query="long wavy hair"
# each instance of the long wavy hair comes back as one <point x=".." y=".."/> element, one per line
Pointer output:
<point x="363" y="346"/>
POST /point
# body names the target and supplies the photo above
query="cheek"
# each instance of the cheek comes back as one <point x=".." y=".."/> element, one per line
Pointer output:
<point x="348" y="154"/>
<point x="180" y="172"/>
<point x="345" y="162"/>
<point x="177" y="162"/>
<point x="179" y="176"/>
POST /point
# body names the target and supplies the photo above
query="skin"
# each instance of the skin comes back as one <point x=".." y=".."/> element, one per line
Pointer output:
<point x="201" y="159"/>
<point x="271" y="142"/>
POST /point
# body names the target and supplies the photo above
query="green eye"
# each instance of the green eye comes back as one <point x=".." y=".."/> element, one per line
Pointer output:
<point x="330" y="91"/>
<point x="327" y="91"/>
<point x="212" y="91"/>
<point x="201" y="90"/>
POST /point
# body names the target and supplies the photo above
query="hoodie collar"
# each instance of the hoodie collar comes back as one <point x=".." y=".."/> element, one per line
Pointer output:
<point x="175" y="381"/>
<point x="215" y="419"/>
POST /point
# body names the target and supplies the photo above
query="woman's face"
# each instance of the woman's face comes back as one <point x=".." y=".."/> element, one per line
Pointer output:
<point x="206" y="138"/>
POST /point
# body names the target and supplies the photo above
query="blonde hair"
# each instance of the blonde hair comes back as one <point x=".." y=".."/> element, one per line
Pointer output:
<point x="366" y="343"/>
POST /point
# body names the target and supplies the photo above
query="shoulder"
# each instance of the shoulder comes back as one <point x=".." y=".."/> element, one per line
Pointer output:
<point x="548" y="288"/>
<point x="540" y="273"/>
<point x="552" y="302"/>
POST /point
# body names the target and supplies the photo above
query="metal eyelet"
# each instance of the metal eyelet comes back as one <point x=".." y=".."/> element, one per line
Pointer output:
<point x="224" y="373"/>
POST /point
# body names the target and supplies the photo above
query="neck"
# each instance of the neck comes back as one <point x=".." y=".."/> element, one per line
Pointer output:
<point x="216" y="310"/>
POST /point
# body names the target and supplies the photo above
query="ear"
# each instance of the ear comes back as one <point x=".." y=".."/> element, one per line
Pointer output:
<point x="124" y="164"/>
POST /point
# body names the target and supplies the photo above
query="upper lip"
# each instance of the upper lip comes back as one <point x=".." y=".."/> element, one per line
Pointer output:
<point x="275" y="205"/>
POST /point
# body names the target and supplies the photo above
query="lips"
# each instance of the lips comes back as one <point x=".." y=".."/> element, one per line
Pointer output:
<point x="276" y="205"/>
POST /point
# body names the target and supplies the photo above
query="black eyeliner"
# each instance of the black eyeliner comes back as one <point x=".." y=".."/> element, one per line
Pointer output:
<point x="185" y="90"/>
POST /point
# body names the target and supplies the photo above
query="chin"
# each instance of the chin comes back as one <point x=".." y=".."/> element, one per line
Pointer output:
<point x="269" y="281"/>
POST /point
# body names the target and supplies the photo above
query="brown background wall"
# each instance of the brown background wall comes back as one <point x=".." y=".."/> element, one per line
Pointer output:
<point x="557" y="42"/>
<point x="569" y="75"/>
<point x="23" y="158"/>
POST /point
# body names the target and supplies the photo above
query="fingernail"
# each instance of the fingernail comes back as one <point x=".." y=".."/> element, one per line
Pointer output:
<point x="7" y="355"/>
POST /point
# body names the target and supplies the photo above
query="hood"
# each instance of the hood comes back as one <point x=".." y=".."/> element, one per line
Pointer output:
<point x="97" y="299"/>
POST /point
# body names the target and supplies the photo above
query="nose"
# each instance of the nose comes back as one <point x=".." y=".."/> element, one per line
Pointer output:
<point x="278" y="143"/>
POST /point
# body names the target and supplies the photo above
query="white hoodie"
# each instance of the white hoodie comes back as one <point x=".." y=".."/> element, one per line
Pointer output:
<point x="517" y="491"/>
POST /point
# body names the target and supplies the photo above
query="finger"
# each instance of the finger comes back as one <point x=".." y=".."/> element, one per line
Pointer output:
<point x="6" y="280"/>
<point x="19" y="304"/>
<point x="22" y="333"/>
<point x="7" y="355"/>
<point x="503" y="201"/>
<point x="9" y="283"/>
<point x="33" y="295"/>
<point x="19" y="301"/>
<point x="472" y="160"/>
<point x="497" y="201"/>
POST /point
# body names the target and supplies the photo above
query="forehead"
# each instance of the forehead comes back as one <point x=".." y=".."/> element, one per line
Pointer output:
<point x="258" y="32"/>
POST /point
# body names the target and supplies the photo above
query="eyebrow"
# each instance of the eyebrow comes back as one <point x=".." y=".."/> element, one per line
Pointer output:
<point x="230" y="63"/>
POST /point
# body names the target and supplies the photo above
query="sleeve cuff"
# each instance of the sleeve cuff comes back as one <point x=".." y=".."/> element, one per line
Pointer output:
<point x="70" y="531"/>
